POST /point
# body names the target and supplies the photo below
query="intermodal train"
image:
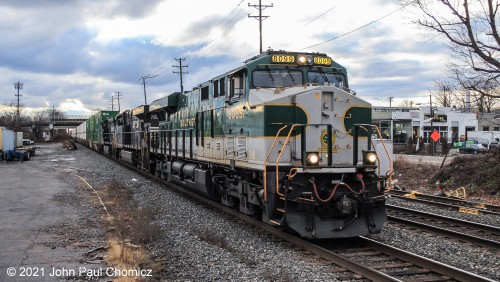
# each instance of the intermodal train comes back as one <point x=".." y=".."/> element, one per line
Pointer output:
<point x="281" y="138"/>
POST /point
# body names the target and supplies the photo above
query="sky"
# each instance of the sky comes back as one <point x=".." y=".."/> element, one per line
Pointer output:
<point x="76" y="54"/>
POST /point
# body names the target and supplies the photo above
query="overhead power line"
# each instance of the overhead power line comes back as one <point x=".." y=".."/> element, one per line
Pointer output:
<point x="316" y="18"/>
<point x="228" y="24"/>
<point x="354" y="30"/>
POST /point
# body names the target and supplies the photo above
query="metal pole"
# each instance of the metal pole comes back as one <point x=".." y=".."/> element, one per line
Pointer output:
<point x="18" y="85"/>
<point x="432" y="129"/>
<point x="144" y="84"/>
<point x="260" y="26"/>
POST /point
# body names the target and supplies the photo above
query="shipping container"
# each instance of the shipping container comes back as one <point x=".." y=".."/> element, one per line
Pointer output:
<point x="93" y="126"/>
<point x="81" y="132"/>
<point x="8" y="139"/>
<point x="19" y="139"/>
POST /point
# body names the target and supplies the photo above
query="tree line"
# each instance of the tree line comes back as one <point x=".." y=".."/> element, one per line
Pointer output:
<point x="9" y="115"/>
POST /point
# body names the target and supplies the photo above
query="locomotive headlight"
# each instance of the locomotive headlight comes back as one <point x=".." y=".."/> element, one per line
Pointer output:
<point x="303" y="60"/>
<point x="312" y="159"/>
<point x="369" y="157"/>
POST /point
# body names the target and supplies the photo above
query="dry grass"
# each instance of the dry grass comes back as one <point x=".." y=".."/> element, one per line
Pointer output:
<point x="129" y="228"/>
<point x="479" y="175"/>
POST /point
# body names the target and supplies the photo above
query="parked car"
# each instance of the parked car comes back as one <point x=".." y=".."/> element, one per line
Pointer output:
<point x="473" y="149"/>
<point x="29" y="145"/>
<point x="491" y="145"/>
<point x="28" y="142"/>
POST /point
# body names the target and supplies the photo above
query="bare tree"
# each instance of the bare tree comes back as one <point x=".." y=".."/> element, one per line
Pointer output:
<point x="53" y="113"/>
<point x="485" y="104"/>
<point x="40" y="115"/>
<point x="460" y="97"/>
<point x="8" y="112"/>
<point x="483" y="92"/>
<point x="443" y="93"/>
<point x="470" y="28"/>
<point x="407" y="103"/>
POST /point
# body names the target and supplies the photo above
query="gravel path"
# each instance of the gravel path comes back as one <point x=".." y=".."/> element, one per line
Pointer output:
<point x="200" y="244"/>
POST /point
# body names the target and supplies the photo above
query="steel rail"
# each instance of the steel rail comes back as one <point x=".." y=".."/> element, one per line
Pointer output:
<point x="430" y="264"/>
<point x="460" y="208"/>
<point x="447" y="219"/>
<point x="453" y="202"/>
<point x="450" y="233"/>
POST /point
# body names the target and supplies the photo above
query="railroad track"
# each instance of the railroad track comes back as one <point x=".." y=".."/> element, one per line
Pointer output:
<point x="367" y="259"/>
<point x="480" y="234"/>
<point x="447" y="202"/>
<point x="396" y="264"/>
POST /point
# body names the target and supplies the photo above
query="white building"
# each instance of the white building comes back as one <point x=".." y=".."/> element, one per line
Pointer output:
<point x="401" y="123"/>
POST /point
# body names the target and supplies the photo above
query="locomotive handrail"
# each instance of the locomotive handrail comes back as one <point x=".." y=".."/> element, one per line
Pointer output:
<point x="391" y="169"/>
<point x="279" y="157"/>
<point x="267" y="157"/>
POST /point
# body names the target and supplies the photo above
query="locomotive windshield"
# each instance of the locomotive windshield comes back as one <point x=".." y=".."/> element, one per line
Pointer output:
<point x="277" y="78"/>
<point x="328" y="78"/>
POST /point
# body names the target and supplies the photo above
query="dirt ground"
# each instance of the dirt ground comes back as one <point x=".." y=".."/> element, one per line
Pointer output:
<point x="479" y="175"/>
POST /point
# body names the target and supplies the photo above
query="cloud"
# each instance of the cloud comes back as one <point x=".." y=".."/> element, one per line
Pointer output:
<point x="109" y="8"/>
<point x="85" y="50"/>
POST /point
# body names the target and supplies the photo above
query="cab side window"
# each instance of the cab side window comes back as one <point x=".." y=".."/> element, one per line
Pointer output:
<point x="237" y="86"/>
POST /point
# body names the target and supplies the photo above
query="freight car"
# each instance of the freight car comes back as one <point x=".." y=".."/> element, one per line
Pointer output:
<point x="281" y="138"/>
<point x="93" y="133"/>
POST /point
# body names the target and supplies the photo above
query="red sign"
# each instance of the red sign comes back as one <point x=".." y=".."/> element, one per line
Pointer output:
<point x="435" y="135"/>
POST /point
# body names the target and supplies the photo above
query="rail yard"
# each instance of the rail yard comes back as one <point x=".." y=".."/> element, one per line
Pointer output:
<point x="195" y="240"/>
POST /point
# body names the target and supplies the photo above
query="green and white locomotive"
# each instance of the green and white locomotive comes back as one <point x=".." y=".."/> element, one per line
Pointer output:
<point x="281" y="138"/>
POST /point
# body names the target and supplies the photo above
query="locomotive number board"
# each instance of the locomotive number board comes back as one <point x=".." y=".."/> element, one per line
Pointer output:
<point x="292" y="59"/>
<point x="283" y="59"/>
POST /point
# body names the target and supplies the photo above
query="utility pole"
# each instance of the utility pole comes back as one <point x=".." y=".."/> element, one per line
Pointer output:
<point x="180" y="72"/>
<point x="18" y="85"/>
<point x="390" y="101"/>
<point x="260" y="18"/>
<point x="144" y="84"/>
<point x="432" y="129"/>
<point x="112" y="100"/>
<point x="118" y="98"/>
<point x="52" y="123"/>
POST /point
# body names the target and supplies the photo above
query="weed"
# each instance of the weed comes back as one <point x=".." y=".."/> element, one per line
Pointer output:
<point x="129" y="228"/>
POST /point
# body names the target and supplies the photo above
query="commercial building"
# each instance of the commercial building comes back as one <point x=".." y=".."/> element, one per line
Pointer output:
<point x="401" y="123"/>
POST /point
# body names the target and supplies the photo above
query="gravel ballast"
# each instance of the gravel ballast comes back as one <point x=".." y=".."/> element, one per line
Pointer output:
<point x="199" y="243"/>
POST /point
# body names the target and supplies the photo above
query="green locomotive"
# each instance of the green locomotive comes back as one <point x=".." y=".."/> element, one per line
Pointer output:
<point x="281" y="138"/>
